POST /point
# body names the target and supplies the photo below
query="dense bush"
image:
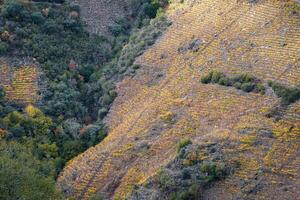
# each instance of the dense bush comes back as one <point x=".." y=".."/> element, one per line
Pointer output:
<point x="213" y="171"/>
<point x="2" y="93"/>
<point x="29" y="125"/>
<point x="245" y="82"/>
<point x="138" y="42"/>
<point x="287" y="94"/>
<point x="3" y="48"/>
<point x="165" y="181"/>
<point x="192" y="193"/>
<point x="22" y="176"/>
<point x="184" y="180"/>
<point x="146" y="8"/>
<point x="182" y="144"/>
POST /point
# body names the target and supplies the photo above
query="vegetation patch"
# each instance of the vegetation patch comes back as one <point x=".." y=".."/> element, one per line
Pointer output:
<point x="249" y="83"/>
<point x="245" y="82"/>
<point x="23" y="176"/>
<point x="178" y="181"/>
<point x="287" y="94"/>
<point x="182" y="144"/>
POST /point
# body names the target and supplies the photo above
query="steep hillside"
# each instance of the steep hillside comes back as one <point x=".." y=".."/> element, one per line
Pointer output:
<point x="166" y="102"/>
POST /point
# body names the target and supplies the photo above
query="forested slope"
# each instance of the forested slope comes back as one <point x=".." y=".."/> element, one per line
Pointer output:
<point x="212" y="113"/>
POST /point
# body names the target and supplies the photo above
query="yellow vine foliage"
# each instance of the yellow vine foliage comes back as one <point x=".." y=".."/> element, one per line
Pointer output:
<point x="21" y="84"/>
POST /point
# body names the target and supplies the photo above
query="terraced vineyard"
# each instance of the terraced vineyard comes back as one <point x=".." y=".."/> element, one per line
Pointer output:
<point x="233" y="37"/>
<point x="20" y="84"/>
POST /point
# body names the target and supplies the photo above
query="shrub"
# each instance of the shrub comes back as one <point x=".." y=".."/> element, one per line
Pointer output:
<point x="102" y="113"/>
<point x="243" y="78"/>
<point x="72" y="127"/>
<point x="137" y="44"/>
<point x="116" y="29"/>
<point x="165" y="181"/>
<point x="212" y="77"/>
<point x="3" y="48"/>
<point x="75" y="7"/>
<point x="37" y="17"/>
<point x="212" y="171"/>
<point x="237" y="85"/>
<point x="287" y="94"/>
<point x="107" y="99"/>
<point x="51" y="27"/>
<point x="216" y="76"/>
<point x="149" y="10"/>
<point x="247" y="87"/>
<point x="260" y="88"/>
<point x="206" y="79"/>
<point x="2" y="93"/>
<point x="186" y="173"/>
<point x="33" y="111"/>
<point x="183" y="143"/>
<point x="225" y="81"/>
<point x="21" y="32"/>
<point x="208" y="168"/>
<point x="12" y="10"/>
<point x="193" y="192"/>
<point x="245" y="82"/>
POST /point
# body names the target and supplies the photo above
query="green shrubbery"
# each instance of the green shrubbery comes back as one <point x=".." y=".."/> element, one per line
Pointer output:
<point x="192" y="193"/>
<point x="140" y="40"/>
<point x="165" y="181"/>
<point x="287" y="94"/>
<point x="245" y="82"/>
<point x="213" y="171"/>
<point x="146" y="8"/>
<point x="185" y="180"/>
<point x="249" y="83"/>
<point x="3" y="48"/>
<point x="23" y="176"/>
<point x="2" y="93"/>
<point x="210" y="171"/>
<point x="182" y="144"/>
